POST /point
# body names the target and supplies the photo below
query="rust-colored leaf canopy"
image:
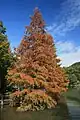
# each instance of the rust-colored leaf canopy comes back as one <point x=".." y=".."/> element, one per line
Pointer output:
<point x="37" y="66"/>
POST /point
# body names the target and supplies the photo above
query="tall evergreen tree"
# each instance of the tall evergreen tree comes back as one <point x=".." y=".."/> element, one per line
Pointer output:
<point x="4" y="56"/>
<point x="37" y="70"/>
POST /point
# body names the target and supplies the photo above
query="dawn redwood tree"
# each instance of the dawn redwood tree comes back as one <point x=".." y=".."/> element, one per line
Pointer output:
<point x="36" y="72"/>
<point x="5" y="56"/>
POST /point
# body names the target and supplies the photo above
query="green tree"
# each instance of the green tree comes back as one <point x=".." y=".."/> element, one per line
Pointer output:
<point x="5" y="56"/>
<point x="73" y="73"/>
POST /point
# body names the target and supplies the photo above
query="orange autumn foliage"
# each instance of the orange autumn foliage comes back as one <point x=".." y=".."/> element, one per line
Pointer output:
<point x="37" y="66"/>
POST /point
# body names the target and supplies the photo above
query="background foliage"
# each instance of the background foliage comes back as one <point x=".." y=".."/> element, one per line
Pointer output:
<point x="73" y="73"/>
<point x="5" y="56"/>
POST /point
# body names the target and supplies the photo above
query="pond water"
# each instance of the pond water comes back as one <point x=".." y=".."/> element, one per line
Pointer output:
<point x="59" y="113"/>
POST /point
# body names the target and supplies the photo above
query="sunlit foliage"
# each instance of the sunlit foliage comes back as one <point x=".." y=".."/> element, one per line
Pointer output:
<point x="37" y="68"/>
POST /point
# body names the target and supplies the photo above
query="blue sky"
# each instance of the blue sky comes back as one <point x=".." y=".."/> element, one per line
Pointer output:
<point x="62" y="19"/>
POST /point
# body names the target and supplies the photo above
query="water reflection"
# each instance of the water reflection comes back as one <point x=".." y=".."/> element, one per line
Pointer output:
<point x="59" y="113"/>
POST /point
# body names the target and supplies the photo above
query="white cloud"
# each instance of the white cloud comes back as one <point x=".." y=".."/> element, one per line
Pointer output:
<point x="65" y="47"/>
<point x="68" y="19"/>
<point x="69" y="53"/>
<point x="70" y="58"/>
